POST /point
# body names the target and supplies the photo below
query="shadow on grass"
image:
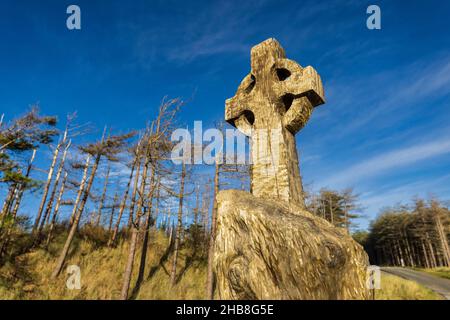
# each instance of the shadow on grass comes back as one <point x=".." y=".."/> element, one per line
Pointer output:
<point x="153" y="270"/>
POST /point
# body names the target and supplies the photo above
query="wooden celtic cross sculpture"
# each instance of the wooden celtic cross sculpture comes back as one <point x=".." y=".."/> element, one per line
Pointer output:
<point x="272" y="103"/>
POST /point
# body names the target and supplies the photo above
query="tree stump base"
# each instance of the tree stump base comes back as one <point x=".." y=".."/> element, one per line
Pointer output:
<point x="269" y="250"/>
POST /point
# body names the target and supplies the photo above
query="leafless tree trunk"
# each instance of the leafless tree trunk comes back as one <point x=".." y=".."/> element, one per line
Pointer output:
<point x="73" y="229"/>
<point x="210" y="274"/>
<point x="22" y="187"/>
<point x="5" y="238"/>
<point x="113" y="209"/>
<point x="133" y="195"/>
<point x="169" y="215"/>
<point x="57" y="206"/>
<point x="123" y="204"/>
<point x="80" y="189"/>
<point x="330" y="200"/>
<point x="197" y="204"/>
<point x="19" y="190"/>
<point x="48" y="209"/>
<point x="155" y="140"/>
<point x="102" y="200"/>
<point x="206" y="201"/>
<point x="179" y="227"/>
<point x="8" y="201"/>
<point x="48" y="182"/>
<point x="134" y="232"/>
<point x="146" y="229"/>
<point x="158" y="189"/>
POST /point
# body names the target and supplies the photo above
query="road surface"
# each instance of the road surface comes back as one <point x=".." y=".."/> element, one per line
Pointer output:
<point x="439" y="285"/>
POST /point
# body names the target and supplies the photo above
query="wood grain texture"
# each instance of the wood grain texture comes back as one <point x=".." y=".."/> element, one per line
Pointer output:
<point x="266" y="250"/>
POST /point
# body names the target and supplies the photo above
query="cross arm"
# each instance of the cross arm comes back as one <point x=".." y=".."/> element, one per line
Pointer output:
<point x="300" y="91"/>
<point x="238" y="110"/>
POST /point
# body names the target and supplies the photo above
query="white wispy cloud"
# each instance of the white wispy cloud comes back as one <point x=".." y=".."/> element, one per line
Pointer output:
<point x="388" y="161"/>
<point x="414" y="85"/>
<point x="228" y="27"/>
<point x="220" y="27"/>
<point x="375" y="200"/>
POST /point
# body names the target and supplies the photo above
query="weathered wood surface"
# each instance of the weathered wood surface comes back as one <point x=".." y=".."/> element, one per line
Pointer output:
<point x="273" y="102"/>
<point x="264" y="250"/>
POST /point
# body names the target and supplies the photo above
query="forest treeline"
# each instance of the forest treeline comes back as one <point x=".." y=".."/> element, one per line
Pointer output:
<point x="414" y="235"/>
<point x="124" y="186"/>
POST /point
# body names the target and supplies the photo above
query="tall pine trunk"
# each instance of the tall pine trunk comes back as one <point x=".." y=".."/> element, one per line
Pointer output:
<point x="425" y="254"/>
<point x="442" y="239"/>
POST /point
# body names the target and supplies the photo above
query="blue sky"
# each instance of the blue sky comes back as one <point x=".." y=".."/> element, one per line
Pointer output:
<point x="384" y="129"/>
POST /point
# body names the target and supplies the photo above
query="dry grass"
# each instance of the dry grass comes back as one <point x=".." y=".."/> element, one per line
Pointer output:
<point x="101" y="273"/>
<point x="396" y="288"/>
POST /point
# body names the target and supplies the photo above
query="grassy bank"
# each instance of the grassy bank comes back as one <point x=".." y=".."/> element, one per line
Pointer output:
<point x="443" y="272"/>
<point x="396" y="288"/>
<point x="102" y="268"/>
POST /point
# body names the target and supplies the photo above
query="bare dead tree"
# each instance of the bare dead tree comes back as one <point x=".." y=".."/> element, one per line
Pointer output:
<point x="23" y="186"/>
<point x="197" y="204"/>
<point x="18" y="198"/>
<point x="148" y="214"/>
<point x="49" y="206"/>
<point x="113" y="209"/>
<point x="206" y="202"/>
<point x="179" y="226"/>
<point x="135" y="230"/>
<point x="210" y="274"/>
<point x="155" y="144"/>
<point x="157" y="198"/>
<point x="56" y="210"/>
<point x="60" y="144"/>
<point x="102" y="200"/>
<point x="108" y="148"/>
<point x="134" y="195"/>
<point x="135" y="163"/>
<point x="71" y="131"/>
<point x="8" y="202"/>
<point x="80" y="189"/>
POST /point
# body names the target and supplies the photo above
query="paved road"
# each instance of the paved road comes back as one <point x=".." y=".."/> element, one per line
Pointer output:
<point x="439" y="285"/>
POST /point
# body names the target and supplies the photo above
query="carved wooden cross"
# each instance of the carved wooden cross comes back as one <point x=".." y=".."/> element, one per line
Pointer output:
<point x="271" y="105"/>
